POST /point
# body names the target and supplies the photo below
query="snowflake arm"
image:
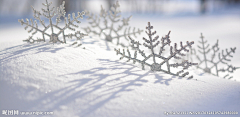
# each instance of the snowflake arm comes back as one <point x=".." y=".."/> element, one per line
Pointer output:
<point x="95" y="23"/>
<point x="69" y="22"/>
<point x="33" y="26"/>
<point x="114" y="13"/>
<point x="37" y="15"/>
<point x="77" y="35"/>
<point x="60" y="12"/>
<point x="126" y="33"/>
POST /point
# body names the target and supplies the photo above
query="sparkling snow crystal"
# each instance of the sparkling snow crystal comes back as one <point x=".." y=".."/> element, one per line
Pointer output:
<point x="211" y="64"/>
<point x="53" y="36"/>
<point x="151" y="43"/>
<point x="107" y="24"/>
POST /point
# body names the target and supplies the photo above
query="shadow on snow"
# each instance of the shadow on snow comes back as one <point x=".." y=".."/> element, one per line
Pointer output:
<point x="97" y="86"/>
<point x="25" y="49"/>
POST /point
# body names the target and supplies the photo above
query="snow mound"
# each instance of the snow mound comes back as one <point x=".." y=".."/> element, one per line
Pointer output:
<point x="92" y="82"/>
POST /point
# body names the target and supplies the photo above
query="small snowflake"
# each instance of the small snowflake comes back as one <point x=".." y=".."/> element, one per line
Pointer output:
<point x="110" y="20"/>
<point x="210" y="65"/>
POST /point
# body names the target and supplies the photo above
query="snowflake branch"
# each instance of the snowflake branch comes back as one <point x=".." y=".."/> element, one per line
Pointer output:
<point x="204" y="49"/>
<point x="130" y="33"/>
<point x="127" y="32"/>
<point x="125" y="23"/>
<point x="114" y="13"/>
<point x="31" y="40"/>
<point x="215" y="49"/>
<point x="70" y="22"/>
<point x="130" y="58"/>
<point x="95" y="23"/>
<point x="36" y="15"/>
<point x="60" y="12"/>
<point x="185" y="64"/>
<point x="177" y="51"/>
<point x="166" y="38"/>
<point x="224" y="57"/>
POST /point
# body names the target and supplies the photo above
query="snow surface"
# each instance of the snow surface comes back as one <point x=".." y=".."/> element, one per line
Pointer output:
<point x="92" y="82"/>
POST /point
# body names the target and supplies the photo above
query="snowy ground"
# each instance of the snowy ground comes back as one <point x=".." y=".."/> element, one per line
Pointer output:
<point x="92" y="82"/>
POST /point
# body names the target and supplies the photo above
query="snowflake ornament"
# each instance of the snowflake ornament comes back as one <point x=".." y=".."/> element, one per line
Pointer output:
<point x="211" y="64"/>
<point x="107" y="24"/>
<point x="53" y="36"/>
<point x="152" y="43"/>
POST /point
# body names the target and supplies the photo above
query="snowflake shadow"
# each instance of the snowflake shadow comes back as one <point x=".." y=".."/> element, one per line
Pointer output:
<point x="164" y="81"/>
<point x="18" y="51"/>
<point x="108" y="86"/>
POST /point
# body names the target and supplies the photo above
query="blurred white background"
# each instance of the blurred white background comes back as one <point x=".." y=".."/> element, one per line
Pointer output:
<point x="10" y="10"/>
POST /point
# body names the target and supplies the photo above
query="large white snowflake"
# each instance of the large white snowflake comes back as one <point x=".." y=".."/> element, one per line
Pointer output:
<point x="53" y="36"/>
<point x="152" y="43"/>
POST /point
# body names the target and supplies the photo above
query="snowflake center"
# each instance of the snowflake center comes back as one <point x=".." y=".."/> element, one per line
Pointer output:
<point x="207" y="70"/>
<point x="230" y="69"/>
<point x="31" y="40"/>
<point x="109" y="38"/>
<point x="78" y="35"/>
<point x="155" y="67"/>
<point x="54" y="38"/>
<point x="215" y="48"/>
<point x="185" y="64"/>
